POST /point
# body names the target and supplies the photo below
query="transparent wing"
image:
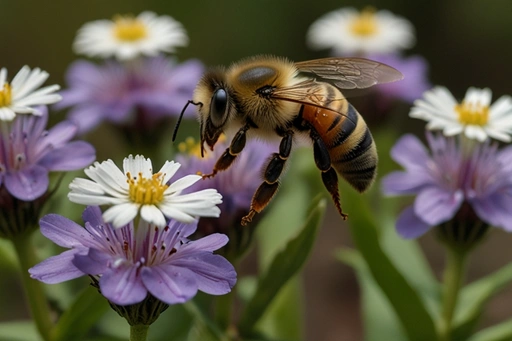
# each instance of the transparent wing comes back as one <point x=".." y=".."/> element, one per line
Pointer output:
<point x="309" y="92"/>
<point x="349" y="73"/>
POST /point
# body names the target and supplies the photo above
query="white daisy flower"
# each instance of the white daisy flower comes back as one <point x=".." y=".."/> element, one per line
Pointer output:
<point x="137" y="189"/>
<point x="22" y="94"/>
<point x="126" y="37"/>
<point x="475" y="116"/>
<point x="350" y="32"/>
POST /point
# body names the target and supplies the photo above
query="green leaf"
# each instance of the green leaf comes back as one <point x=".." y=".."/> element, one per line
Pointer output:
<point x="379" y="318"/>
<point x="499" y="332"/>
<point x="474" y="297"/>
<point x="203" y="328"/>
<point x="407" y="303"/>
<point x="81" y="316"/>
<point x="283" y="267"/>
<point x="19" y="331"/>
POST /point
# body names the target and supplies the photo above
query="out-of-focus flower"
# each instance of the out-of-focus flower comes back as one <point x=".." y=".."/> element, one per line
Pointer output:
<point x="136" y="189"/>
<point x="127" y="37"/>
<point x="451" y="184"/>
<point x="350" y="32"/>
<point x="415" y="81"/>
<point x="237" y="185"/>
<point x="132" y="263"/>
<point x="143" y="92"/>
<point x="475" y="116"/>
<point x="22" y="95"/>
<point x="28" y="152"/>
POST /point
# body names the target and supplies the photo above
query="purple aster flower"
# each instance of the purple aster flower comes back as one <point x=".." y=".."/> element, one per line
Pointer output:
<point x="451" y="183"/>
<point x="237" y="185"/>
<point x="137" y="94"/>
<point x="28" y="152"/>
<point x="130" y="263"/>
<point x="414" y="84"/>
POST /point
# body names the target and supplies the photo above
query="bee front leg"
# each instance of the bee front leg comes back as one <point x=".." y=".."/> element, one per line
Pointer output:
<point x="230" y="154"/>
<point x="270" y="184"/>
<point x="329" y="176"/>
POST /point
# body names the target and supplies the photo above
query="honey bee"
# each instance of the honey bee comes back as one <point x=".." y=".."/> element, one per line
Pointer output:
<point x="268" y="96"/>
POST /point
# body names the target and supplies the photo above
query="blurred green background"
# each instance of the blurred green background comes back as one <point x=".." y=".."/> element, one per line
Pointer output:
<point x="466" y="43"/>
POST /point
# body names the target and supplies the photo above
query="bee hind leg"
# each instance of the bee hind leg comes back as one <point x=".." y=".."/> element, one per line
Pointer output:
<point x="271" y="175"/>
<point x="329" y="176"/>
<point x="226" y="159"/>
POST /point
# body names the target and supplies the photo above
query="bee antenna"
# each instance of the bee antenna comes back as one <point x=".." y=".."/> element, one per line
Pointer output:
<point x="181" y="116"/>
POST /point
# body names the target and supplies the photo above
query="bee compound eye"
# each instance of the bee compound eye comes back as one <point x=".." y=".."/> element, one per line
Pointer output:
<point x="218" y="107"/>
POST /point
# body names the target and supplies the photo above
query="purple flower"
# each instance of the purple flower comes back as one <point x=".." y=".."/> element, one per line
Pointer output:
<point x="152" y="87"/>
<point x="237" y="184"/>
<point x="28" y="153"/>
<point x="448" y="180"/>
<point x="414" y="84"/>
<point x="131" y="263"/>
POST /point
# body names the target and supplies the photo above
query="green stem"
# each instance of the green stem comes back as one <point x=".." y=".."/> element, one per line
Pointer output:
<point x="139" y="332"/>
<point x="33" y="289"/>
<point x="223" y="310"/>
<point x="453" y="277"/>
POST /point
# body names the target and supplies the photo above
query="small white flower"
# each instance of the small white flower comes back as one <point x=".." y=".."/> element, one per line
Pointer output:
<point x="22" y="94"/>
<point x="475" y="116"/>
<point x="127" y="37"/>
<point x="350" y="32"/>
<point x="139" y="190"/>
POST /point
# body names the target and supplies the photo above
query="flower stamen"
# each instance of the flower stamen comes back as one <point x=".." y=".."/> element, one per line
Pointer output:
<point x="146" y="191"/>
<point x="129" y="29"/>
<point x="365" y="24"/>
<point x="472" y="113"/>
<point x="6" y="95"/>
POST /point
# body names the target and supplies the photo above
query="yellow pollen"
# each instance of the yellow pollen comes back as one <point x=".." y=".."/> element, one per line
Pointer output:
<point x="365" y="25"/>
<point x="193" y="148"/>
<point x="129" y="29"/>
<point x="5" y="95"/>
<point x="146" y="191"/>
<point x="472" y="113"/>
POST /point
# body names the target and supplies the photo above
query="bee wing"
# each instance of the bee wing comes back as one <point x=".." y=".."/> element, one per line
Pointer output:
<point x="308" y="92"/>
<point x="349" y="73"/>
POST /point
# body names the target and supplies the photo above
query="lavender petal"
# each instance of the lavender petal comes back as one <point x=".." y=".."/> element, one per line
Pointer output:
<point x="435" y="205"/>
<point x="74" y="155"/>
<point x="170" y="284"/>
<point x="409" y="225"/>
<point x="64" y="232"/>
<point x="57" y="269"/>
<point x="27" y="184"/>
<point x="122" y="286"/>
<point x="95" y="262"/>
<point x="214" y="274"/>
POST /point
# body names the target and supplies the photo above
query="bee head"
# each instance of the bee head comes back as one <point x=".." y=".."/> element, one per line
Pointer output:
<point x="218" y="106"/>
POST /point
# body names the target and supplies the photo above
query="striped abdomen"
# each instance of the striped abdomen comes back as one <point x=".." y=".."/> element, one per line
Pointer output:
<point x="348" y="140"/>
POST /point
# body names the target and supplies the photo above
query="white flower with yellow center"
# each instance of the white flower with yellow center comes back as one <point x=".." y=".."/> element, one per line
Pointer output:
<point x="22" y="94"/>
<point x="474" y="116"/>
<point x="351" y="32"/>
<point x="127" y="37"/>
<point x="139" y="190"/>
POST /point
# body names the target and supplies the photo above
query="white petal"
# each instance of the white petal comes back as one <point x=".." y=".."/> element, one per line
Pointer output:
<point x="120" y="215"/>
<point x="152" y="215"/>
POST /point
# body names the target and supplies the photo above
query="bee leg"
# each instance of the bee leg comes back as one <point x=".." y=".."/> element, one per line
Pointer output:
<point x="329" y="176"/>
<point x="270" y="184"/>
<point x="227" y="158"/>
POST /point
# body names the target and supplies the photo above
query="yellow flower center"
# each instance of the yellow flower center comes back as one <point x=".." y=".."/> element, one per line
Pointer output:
<point x="129" y="29"/>
<point x="365" y="25"/>
<point x="5" y="95"/>
<point x="193" y="148"/>
<point x="146" y="191"/>
<point x="472" y="113"/>
<point x="190" y="147"/>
